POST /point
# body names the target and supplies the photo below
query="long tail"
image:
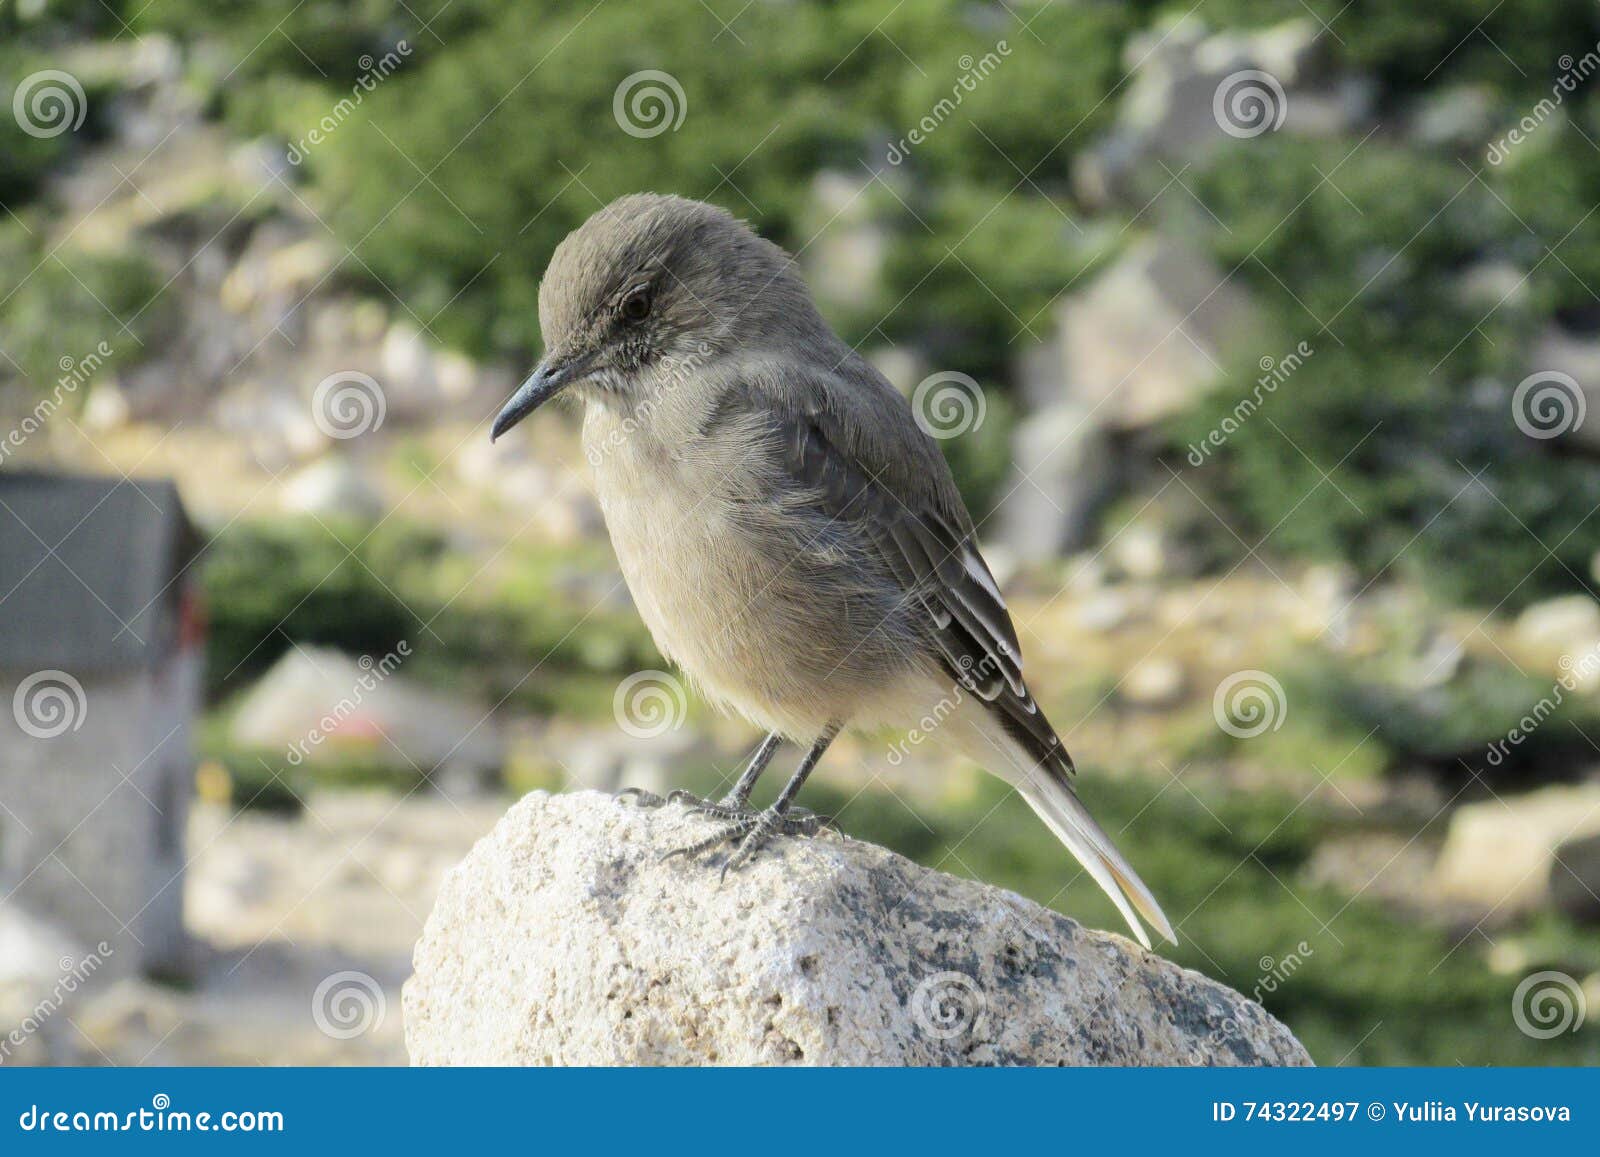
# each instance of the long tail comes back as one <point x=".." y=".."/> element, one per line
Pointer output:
<point x="1059" y="807"/>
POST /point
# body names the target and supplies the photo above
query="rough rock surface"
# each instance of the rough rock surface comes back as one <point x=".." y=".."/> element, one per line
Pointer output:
<point x="565" y="939"/>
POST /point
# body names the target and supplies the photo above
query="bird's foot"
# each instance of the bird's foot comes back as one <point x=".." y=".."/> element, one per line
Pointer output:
<point x="749" y="829"/>
<point x="728" y="807"/>
<point x="642" y="798"/>
<point x="737" y="823"/>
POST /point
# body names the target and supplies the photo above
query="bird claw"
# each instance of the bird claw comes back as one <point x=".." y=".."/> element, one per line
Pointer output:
<point x="750" y="830"/>
<point x="738" y="823"/>
<point x="639" y="797"/>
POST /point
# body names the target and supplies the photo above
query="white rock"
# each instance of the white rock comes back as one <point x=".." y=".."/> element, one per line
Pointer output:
<point x="849" y="244"/>
<point x="1500" y="855"/>
<point x="1140" y="551"/>
<point x="317" y="702"/>
<point x="1153" y="683"/>
<point x="904" y="366"/>
<point x="1149" y="336"/>
<point x="1566" y="625"/>
<point x="107" y="406"/>
<point x="1062" y="474"/>
<point x="1102" y="612"/>
<point x="332" y="488"/>
<point x="564" y="938"/>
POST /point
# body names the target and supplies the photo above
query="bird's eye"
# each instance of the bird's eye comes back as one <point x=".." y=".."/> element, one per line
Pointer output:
<point x="636" y="306"/>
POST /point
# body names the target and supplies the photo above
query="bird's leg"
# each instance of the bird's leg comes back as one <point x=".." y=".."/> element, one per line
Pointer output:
<point x="750" y="829"/>
<point x="739" y="797"/>
<point x="736" y="802"/>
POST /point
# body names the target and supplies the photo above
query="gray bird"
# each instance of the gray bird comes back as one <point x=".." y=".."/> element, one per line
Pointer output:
<point x="793" y="539"/>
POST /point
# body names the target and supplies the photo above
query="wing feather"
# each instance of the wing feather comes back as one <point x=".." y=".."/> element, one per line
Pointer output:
<point x="931" y="554"/>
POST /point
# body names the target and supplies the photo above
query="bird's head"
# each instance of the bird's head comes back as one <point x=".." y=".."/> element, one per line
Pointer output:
<point x="648" y="288"/>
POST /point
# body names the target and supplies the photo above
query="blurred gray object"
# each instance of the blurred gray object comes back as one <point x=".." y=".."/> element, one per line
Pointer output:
<point x="100" y="663"/>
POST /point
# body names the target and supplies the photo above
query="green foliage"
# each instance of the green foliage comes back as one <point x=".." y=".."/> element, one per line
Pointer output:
<point x="1459" y="725"/>
<point x="1404" y="403"/>
<point x="1549" y="182"/>
<point x="60" y="305"/>
<point x="1412" y="47"/>
<point x="977" y="272"/>
<point x="364" y="590"/>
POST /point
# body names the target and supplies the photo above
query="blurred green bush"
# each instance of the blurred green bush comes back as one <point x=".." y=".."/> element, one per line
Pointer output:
<point x="363" y="590"/>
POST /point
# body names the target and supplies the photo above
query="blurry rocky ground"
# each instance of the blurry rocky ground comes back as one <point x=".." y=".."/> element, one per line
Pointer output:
<point x="1332" y="679"/>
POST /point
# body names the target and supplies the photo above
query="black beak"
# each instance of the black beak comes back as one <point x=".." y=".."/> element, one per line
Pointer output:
<point x="551" y="377"/>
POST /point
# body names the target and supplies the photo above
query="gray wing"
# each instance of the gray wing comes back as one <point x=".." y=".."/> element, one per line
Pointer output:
<point x="864" y="462"/>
